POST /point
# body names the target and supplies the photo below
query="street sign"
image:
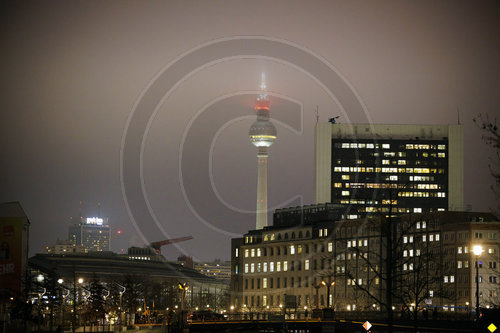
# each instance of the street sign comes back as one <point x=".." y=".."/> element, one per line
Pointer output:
<point x="492" y="328"/>
<point x="367" y="325"/>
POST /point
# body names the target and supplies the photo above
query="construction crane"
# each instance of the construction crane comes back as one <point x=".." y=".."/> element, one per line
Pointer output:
<point x="157" y="245"/>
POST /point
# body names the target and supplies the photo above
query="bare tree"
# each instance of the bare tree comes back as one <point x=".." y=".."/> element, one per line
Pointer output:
<point x="491" y="136"/>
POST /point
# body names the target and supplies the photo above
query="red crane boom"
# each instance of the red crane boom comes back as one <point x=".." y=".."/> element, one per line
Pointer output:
<point x="157" y="245"/>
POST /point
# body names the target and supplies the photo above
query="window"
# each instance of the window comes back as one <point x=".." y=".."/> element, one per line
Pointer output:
<point x="292" y="249"/>
<point x="278" y="266"/>
<point x="264" y="268"/>
<point x="246" y="253"/>
<point x="446" y="279"/>
<point x="306" y="264"/>
<point x="459" y="264"/>
<point x="345" y="193"/>
<point x="252" y="268"/>
<point x="252" y="253"/>
<point x="246" y="268"/>
<point x="285" y="266"/>
<point x="258" y="252"/>
<point x="330" y="247"/>
<point x="459" y="249"/>
<point x="264" y="283"/>
<point x="271" y="266"/>
<point x="236" y="252"/>
<point x="491" y="250"/>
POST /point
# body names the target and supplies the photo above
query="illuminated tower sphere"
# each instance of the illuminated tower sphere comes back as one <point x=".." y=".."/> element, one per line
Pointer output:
<point x="262" y="135"/>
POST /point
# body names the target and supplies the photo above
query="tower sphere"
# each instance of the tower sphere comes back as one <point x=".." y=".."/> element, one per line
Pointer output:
<point x="262" y="133"/>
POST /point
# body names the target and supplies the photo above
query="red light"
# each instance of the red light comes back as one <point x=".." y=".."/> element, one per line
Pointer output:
<point x="119" y="232"/>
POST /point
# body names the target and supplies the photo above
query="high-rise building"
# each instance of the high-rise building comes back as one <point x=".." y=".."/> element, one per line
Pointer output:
<point x="374" y="168"/>
<point x="262" y="135"/>
<point x="93" y="233"/>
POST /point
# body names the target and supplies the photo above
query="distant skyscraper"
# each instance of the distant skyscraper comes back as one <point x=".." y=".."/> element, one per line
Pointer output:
<point x="375" y="168"/>
<point x="93" y="233"/>
<point x="262" y="135"/>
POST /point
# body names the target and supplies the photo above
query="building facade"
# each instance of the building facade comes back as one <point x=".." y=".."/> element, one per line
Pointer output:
<point x="373" y="168"/>
<point x="64" y="247"/>
<point x="344" y="264"/>
<point x="93" y="233"/>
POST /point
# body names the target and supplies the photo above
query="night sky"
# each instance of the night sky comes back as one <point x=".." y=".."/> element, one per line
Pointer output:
<point x="73" y="74"/>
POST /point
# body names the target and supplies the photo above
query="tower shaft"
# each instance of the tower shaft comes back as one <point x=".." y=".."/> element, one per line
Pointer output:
<point x="261" y="219"/>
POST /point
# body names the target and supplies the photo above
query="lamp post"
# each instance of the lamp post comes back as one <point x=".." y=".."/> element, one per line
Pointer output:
<point x="328" y="284"/>
<point x="477" y="250"/>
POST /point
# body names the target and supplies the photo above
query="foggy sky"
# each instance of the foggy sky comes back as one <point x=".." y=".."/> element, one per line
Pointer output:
<point x="73" y="71"/>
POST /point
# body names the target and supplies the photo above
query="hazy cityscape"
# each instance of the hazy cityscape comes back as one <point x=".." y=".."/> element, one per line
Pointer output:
<point x="250" y="167"/>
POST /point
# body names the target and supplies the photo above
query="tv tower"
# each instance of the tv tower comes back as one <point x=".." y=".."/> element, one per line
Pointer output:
<point x="262" y="134"/>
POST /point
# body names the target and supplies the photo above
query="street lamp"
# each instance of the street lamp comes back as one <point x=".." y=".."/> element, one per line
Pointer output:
<point x="328" y="285"/>
<point x="477" y="250"/>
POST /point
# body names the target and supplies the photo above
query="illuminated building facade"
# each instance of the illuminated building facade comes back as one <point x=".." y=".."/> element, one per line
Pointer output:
<point x="376" y="169"/>
<point x="93" y="233"/>
<point x="432" y="258"/>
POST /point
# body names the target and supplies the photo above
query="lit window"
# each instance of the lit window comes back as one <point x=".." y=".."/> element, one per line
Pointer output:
<point x="405" y="239"/>
<point x="306" y="264"/>
<point x="246" y="253"/>
<point x="417" y="210"/>
<point x="258" y="252"/>
<point x="345" y="193"/>
<point x="292" y="249"/>
<point x="386" y="146"/>
<point x="330" y="247"/>
<point x="337" y="185"/>
<point x="252" y="253"/>
<point x="265" y="267"/>
<point x="459" y="250"/>
<point x="236" y="252"/>
<point x="278" y="266"/>
<point x="252" y="268"/>
<point x="459" y="264"/>
<point x="271" y="266"/>
<point x="285" y="266"/>
<point x="466" y="249"/>
<point x="264" y="284"/>
<point x="345" y="177"/>
<point x="405" y="253"/>
<point x="491" y="250"/>
<point x="437" y="237"/>
<point x="446" y="279"/>
<point x="452" y="278"/>
<point x="431" y="238"/>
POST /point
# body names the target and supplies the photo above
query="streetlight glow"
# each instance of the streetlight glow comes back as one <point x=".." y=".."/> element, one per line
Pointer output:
<point x="477" y="250"/>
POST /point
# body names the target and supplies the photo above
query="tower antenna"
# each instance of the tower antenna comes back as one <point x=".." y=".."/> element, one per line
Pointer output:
<point x="317" y="114"/>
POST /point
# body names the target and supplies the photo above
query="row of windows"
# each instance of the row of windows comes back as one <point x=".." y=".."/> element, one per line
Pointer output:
<point x="388" y="170"/>
<point x="270" y="267"/>
<point x="355" y="145"/>
<point x="388" y="185"/>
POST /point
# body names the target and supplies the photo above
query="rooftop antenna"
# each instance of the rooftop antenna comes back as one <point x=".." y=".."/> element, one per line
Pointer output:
<point x="317" y="114"/>
<point x="458" y="115"/>
<point x="80" y="212"/>
<point x="99" y="209"/>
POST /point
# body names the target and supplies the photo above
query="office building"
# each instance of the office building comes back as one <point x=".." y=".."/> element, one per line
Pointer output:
<point x="375" y="169"/>
<point x="323" y="261"/>
<point x="64" y="247"/>
<point x="93" y="233"/>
